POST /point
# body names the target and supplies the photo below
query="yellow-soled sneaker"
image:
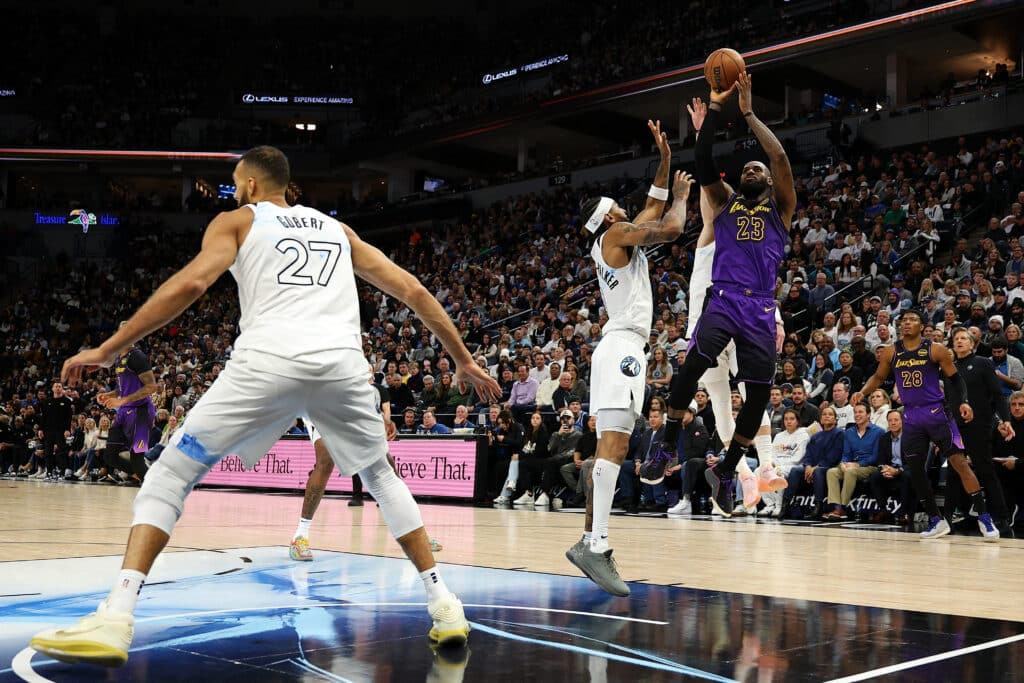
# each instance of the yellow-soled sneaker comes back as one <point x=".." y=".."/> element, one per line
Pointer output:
<point x="299" y="550"/>
<point x="102" y="638"/>
<point x="450" y="626"/>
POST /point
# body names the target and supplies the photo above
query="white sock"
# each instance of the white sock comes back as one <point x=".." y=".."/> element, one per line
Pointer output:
<point x="125" y="592"/>
<point x="587" y="535"/>
<point x="763" y="444"/>
<point x="303" y="528"/>
<point x="606" y="475"/>
<point x="432" y="581"/>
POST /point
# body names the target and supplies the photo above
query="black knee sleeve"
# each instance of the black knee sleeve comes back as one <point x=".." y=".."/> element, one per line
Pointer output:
<point x="748" y="421"/>
<point x="684" y="383"/>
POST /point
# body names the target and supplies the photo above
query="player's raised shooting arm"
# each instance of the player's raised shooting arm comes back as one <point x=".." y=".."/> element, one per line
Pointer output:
<point x="372" y="265"/>
<point x="782" y="173"/>
<point x="655" y="207"/>
<point x="668" y="229"/>
<point x="220" y="247"/>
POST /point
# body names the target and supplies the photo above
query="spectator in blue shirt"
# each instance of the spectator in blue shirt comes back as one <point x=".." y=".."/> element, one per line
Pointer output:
<point x="431" y="425"/>
<point x="824" y="451"/>
<point x="860" y="453"/>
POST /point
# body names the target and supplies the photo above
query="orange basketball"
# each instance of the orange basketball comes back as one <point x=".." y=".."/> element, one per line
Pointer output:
<point x="722" y="68"/>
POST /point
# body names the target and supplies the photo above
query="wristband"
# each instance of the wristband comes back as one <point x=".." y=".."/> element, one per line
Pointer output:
<point x="659" y="193"/>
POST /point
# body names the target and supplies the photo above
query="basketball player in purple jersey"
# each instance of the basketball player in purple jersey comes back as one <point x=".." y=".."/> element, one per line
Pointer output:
<point x="751" y="232"/>
<point x="135" y="411"/>
<point x="916" y="362"/>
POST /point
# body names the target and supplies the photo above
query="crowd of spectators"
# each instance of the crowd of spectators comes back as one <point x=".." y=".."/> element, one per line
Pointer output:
<point x="517" y="280"/>
<point x="138" y="84"/>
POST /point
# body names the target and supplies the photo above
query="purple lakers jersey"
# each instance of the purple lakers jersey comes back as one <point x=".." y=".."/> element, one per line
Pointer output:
<point x="750" y="243"/>
<point x="917" y="375"/>
<point x="128" y="368"/>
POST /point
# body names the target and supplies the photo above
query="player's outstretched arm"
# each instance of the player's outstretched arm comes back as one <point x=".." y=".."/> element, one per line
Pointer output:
<point x="710" y="179"/>
<point x="668" y="229"/>
<point x="881" y="374"/>
<point x="220" y="246"/>
<point x="373" y="266"/>
<point x="657" y="197"/>
<point x="782" y="173"/>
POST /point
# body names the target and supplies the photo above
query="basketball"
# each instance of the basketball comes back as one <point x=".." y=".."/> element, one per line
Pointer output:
<point x="722" y="68"/>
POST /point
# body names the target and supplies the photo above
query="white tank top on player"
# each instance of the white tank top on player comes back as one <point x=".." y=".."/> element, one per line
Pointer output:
<point x="626" y="293"/>
<point x="296" y="287"/>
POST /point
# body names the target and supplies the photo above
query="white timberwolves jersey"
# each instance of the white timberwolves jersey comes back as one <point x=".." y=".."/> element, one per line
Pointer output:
<point x="296" y="287"/>
<point x="626" y="293"/>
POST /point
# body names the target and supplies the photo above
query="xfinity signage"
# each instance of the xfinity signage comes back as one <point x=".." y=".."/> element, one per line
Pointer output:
<point x="329" y="100"/>
<point x="7" y="92"/>
<point x="525" y="68"/>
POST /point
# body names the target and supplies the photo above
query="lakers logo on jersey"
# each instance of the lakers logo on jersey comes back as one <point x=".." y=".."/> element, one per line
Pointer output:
<point x="630" y="366"/>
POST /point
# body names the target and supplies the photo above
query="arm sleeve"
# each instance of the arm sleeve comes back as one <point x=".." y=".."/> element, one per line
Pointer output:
<point x="956" y="382"/>
<point x="995" y="392"/>
<point x="707" y="172"/>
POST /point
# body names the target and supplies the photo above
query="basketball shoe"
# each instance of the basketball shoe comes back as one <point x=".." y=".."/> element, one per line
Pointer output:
<point x="299" y="550"/>
<point x="102" y="638"/>
<point x="768" y="480"/>
<point x="988" y="527"/>
<point x="937" y="527"/>
<point x="721" y="491"/>
<point x="450" y="626"/>
<point x="599" y="568"/>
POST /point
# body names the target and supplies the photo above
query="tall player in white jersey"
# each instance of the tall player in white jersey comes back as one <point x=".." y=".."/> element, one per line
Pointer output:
<point x="290" y="262"/>
<point x="716" y="379"/>
<point x="618" y="369"/>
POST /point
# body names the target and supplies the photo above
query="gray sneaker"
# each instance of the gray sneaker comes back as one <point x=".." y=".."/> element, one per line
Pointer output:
<point x="599" y="568"/>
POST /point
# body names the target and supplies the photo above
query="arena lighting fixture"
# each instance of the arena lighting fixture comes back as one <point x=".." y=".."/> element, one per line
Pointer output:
<point x="305" y="126"/>
<point x="696" y="70"/>
<point x="53" y="154"/>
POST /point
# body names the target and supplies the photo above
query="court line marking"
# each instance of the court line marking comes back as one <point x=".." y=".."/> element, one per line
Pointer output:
<point x="913" y="663"/>
<point x="21" y="665"/>
<point x="204" y="613"/>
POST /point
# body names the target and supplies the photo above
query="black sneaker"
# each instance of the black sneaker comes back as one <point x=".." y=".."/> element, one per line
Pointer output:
<point x="721" y="491"/>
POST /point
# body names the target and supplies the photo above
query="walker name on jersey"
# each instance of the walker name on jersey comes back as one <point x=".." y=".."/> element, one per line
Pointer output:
<point x="293" y="222"/>
<point x="608" y="275"/>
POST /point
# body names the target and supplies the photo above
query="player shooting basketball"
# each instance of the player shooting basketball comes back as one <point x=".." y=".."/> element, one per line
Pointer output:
<point x="751" y="232"/>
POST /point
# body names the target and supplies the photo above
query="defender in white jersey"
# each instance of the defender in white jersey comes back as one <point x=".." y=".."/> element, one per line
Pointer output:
<point x="619" y="363"/>
<point x="288" y="261"/>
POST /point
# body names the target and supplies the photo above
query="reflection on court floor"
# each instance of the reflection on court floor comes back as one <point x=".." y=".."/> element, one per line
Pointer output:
<point x="251" y="615"/>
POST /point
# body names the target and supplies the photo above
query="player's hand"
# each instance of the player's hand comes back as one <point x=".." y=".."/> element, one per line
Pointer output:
<point x="697" y="110"/>
<point x="721" y="97"/>
<point x="110" y="401"/>
<point x="681" y="185"/>
<point x="487" y="388"/>
<point x="966" y="412"/>
<point x="390" y="431"/>
<point x="857" y="398"/>
<point x="1006" y="429"/>
<point x="660" y="139"/>
<point x="90" y="359"/>
<point x="743" y="84"/>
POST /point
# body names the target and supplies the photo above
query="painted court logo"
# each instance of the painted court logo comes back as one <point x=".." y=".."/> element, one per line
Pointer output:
<point x="630" y="366"/>
<point x="83" y="218"/>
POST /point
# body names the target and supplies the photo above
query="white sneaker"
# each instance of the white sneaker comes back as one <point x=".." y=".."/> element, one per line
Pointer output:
<point x="502" y="500"/>
<point x="81" y="474"/>
<point x="681" y="508"/>
<point x="556" y="503"/>
<point x="121" y="474"/>
<point x="67" y="473"/>
<point x="525" y="499"/>
<point x="40" y="474"/>
<point x="768" y="511"/>
<point x="541" y="501"/>
<point x="450" y="626"/>
<point x="101" y="638"/>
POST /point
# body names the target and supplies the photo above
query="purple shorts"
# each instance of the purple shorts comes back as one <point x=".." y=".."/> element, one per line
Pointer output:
<point x="923" y="425"/>
<point x="131" y="427"/>
<point x="746" y="317"/>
